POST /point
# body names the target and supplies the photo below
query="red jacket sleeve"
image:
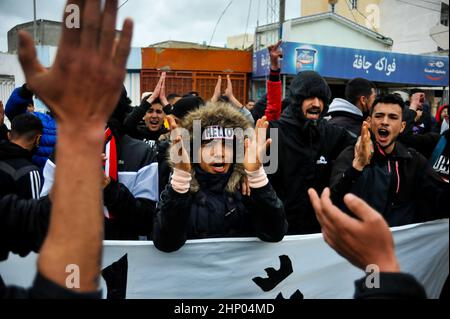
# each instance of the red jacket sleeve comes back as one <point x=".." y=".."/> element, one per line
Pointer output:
<point x="274" y="97"/>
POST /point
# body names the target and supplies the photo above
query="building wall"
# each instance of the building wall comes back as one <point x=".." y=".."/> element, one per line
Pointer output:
<point x="11" y="74"/>
<point x="196" y="70"/>
<point x="266" y="38"/>
<point x="182" y="82"/>
<point x="48" y="33"/>
<point x="132" y="84"/>
<point x="196" y="60"/>
<point x="242" y="41"/>
<point x="409" y="26"/>
<point x="322" y="32"/>
<point x="332" y="33"/>
<point x="343" y="8"/>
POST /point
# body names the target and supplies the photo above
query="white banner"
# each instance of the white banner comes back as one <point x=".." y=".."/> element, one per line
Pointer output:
<point x="235" y="268"/>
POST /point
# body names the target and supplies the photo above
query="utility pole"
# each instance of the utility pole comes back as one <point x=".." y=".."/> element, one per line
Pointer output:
<point x="34" y="23"/>
<point x="282" y="16"/>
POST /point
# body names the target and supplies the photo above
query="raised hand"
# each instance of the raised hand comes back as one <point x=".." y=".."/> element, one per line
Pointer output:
<point x="275" y="55"/>
<point x="82" y="89"/>
<point x="217" y="90"/>
<point x="162" y="91"/>
<point x="229" y="90"/>
<point x="173" y="125"/>
<point x="87" y="61"/>
<point x="256" y="146"/>
<point x="230" y="95"/>
<point x="179" y="155"/>
<point x="417" y="101"/>
<point x="363" y="241"/>
<point x="363" y="149"/>
<point x="157" y="91"/>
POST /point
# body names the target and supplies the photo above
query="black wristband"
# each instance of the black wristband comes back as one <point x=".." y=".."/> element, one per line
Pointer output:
<point x="274" y="75"/>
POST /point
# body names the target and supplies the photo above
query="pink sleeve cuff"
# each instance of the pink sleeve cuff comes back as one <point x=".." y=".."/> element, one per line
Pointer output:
<point x="257" y="179"/>
<point x="181" y="181"/>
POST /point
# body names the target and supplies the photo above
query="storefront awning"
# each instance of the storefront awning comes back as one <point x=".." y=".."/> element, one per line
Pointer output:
<point x="345" y="63"/>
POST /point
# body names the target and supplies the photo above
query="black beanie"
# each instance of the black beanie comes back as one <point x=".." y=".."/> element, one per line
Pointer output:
<point x="186" y="105"/>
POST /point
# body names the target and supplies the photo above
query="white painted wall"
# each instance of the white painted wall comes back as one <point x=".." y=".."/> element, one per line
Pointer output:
<point x="332" y="33"/>
<point x="9" y="65"/>
<point x="133" y="86"/>
<point x="409" y="26"/>
<point x="323" y="32"/>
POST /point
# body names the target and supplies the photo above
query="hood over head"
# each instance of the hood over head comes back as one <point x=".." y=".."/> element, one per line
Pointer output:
<point x="220" y="118"/>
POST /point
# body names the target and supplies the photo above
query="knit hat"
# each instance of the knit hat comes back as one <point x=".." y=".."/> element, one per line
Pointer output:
<point x="438" y="113"/>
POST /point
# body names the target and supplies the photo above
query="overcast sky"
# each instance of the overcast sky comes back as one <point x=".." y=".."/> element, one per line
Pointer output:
<point x="158" y="20"/>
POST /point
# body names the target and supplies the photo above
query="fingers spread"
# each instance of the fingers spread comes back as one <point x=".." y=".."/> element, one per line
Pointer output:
<point x="71" y="32"/>
<point x="27" y="56"/>
<point x="124" y="46"/>
<point x="91" y="24"/>
<point x="108" y="30"/>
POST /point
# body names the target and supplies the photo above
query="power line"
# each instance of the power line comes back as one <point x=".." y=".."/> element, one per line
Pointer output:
<point x="351" y="11"/>
<point x="357" y="10"/>
<point x="246" y="25"/>
<point x="122" y="4"/>
<point x="431" y="2"/>
<point x="218" y="21"/>
<point x="419" y="6"/>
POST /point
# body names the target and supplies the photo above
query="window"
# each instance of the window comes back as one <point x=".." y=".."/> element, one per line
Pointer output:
<point x="444" y="14"/>
<point x="354" y="4"/>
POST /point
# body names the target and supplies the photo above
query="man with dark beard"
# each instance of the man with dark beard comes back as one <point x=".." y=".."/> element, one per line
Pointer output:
<point x="307" y="147"/>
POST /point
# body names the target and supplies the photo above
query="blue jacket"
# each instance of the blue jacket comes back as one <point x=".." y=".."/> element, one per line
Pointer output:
<point x="17" y="104"/>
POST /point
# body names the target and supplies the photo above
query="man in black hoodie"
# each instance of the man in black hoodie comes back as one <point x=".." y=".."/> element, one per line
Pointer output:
<point x="18" y="175"/>
<point x="307" y="147"/>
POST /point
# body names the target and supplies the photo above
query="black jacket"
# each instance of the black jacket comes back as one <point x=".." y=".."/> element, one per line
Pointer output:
<point x="133" y="129"/>
<point x="401" y="186"/>
<point x="3" y="133"/>
<point x="351" y="122"/>
<point x="23" y="225"/>
<point x="18" y="175"/>
<point x="23" y="228"/>
<point x="392" y="286"/>
<point x="439" y="159"/>
<point x="133" y="198"/>
<point x="306" y="152"/>
<point x="346" y="115"/>
<point x="213" y="212"/>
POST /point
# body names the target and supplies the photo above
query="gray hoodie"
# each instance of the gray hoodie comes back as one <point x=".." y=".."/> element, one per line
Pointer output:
<point x="346" y="115"/>
<point x="341" y="105"/>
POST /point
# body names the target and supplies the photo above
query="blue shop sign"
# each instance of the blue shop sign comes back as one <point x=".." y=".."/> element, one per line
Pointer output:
<point x="345" y="63"/>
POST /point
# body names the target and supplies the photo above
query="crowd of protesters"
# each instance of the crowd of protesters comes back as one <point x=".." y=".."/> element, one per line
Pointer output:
<point x="157" y="184"/>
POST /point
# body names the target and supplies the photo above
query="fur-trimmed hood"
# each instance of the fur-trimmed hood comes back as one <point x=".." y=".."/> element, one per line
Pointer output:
<point x="217" y="114"/>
